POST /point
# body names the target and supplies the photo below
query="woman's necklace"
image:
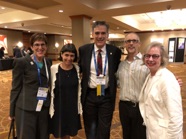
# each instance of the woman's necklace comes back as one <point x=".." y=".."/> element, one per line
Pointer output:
<point x="67" y="70"/>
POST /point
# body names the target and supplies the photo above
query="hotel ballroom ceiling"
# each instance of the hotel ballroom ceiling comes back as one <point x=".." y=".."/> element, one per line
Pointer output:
<point x="44" y="16"/>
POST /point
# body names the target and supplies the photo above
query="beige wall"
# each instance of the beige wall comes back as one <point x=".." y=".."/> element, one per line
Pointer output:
<point x="146" y="37"/>
<point x="52" y="51"/>
<point x="13" y="37"/>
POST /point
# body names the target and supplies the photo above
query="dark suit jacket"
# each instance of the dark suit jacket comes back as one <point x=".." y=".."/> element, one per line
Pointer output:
<point x="26" y="82"/>
<point x="85" y="55"/>
<point x="17" y="52"/>
<point x="1" y="54"/>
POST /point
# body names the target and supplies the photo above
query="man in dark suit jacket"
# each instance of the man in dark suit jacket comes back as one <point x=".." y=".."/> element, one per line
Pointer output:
<point x="98" y="106"/>
<point x="17" y="52"/>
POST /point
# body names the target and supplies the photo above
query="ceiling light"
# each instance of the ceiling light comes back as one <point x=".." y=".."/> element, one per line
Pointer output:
<point x="56" y="44"/>
<point x="61" y="11"/>
<point x="165" y="20"/>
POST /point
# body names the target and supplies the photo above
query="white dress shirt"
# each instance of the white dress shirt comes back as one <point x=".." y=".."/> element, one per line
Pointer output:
<point x="93" y="75"/>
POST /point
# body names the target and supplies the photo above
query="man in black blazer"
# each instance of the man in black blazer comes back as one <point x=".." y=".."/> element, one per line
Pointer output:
<point x="98" y="90"/>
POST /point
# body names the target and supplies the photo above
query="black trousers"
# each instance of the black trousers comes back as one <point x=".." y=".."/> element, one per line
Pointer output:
<point x="97" y="114"/>
<point x="32" y="124"/>
<point x="131" y="120"/>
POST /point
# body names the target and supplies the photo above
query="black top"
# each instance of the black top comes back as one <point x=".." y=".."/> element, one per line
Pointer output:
<point x="66" y="120"/>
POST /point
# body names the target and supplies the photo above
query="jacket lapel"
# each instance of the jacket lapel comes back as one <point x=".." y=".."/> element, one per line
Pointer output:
<point x="109" y="55"/>
<point x="89" y="57"/>
<point x="147" y="87"/>
<point x="30" y="62"/>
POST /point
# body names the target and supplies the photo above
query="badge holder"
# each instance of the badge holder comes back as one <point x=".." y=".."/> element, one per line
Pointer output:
<point x="100" y="81"/>
<point x="41" y="96"/>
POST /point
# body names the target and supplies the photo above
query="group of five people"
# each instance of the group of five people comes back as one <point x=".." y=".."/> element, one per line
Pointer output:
<point x="67" y="90"/>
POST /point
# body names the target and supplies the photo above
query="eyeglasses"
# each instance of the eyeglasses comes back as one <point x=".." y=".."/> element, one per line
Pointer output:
<point x="102" y="33"/>
<point x="37" y="44"/>
<point x="154" y="56"/>
<point x="133" y="41"/>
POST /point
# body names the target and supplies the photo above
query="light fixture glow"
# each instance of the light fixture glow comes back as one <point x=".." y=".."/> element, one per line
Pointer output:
<point x="166" y="19"/>
<point x="20" y="44"/>
<point x="60" y="11"/>
<point x="56" y="45"/>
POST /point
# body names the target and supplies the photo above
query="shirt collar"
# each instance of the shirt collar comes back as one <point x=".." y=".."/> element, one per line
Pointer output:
<point x="138" y="56"/>
<point x="103" y="48"/>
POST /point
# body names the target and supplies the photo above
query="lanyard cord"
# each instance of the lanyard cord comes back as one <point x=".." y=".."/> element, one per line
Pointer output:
<point x="95" y="63"/>
<point x="38" y="70"/>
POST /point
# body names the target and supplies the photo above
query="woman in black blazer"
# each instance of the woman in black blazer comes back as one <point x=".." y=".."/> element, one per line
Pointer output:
<point x="29" y="98"/>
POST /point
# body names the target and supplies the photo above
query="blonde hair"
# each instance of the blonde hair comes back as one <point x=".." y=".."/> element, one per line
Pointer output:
<point x="164" y="55"/>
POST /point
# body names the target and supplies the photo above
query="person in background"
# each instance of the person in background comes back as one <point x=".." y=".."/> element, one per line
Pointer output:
<point x="25" y="51"/>
<point x="65" y="108"/>
<point x="98" y="63"/>
<point x="30" y="97"/>
<point x="131" y="75"/>
<point x="160" y="99"/>
<point x="2" y="53"/>
<point x="17" y="52"/>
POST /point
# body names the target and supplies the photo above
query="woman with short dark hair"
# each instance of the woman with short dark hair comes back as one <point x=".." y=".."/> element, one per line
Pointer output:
<point x="65" y="108"/>
<point x="30" y="97"/>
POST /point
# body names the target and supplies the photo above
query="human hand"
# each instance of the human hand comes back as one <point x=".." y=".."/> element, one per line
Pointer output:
<point x="11" y="118"/>
<point x="179" y="81"/>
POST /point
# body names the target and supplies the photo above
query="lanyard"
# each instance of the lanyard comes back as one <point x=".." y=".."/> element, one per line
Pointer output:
<point x="95" y="63"/>
<point x="38" y="70"/>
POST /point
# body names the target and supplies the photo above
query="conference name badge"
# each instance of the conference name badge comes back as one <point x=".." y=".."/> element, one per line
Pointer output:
<point x="41" y="96"/>
<point x="100" y="82"/>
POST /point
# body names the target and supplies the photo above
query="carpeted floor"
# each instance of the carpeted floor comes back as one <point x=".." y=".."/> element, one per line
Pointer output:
<point x="116" y="131"/>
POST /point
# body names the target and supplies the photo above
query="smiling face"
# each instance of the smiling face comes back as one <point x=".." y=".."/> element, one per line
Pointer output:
<point x="152" y="59"/>
<point x="68" y="58"/>
<point x="100" y="35"/>
<point x="132" y="43"/>
<point x="39" y="49"/>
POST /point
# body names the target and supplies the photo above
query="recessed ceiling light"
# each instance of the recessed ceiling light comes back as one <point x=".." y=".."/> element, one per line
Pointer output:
<point x="5" y="27"/>
<point x="60" y="11"/>
<point x="2" y="8"/>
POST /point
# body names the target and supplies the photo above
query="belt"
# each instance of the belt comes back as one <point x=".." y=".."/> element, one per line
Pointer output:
<point x="130" y="103"/>
<point x="92" y="89"/>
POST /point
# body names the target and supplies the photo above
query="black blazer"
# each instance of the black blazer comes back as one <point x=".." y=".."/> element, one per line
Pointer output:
<point x="26" y="82"/>
<point x="85" y="55"/>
